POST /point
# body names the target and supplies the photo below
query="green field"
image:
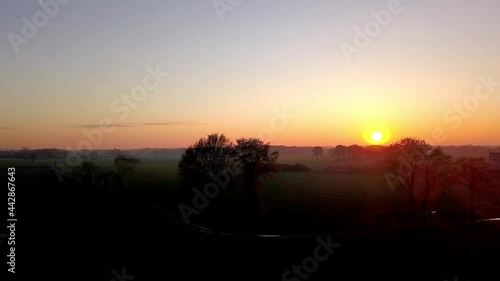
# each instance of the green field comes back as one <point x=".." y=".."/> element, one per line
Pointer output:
<point x="294" y="202"/>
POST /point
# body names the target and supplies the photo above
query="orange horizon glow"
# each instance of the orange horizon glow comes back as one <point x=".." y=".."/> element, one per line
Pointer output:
<point x="75" y="139"/>
<point x="260" y="74"/>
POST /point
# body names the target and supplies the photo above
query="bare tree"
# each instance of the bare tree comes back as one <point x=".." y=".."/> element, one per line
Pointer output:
<point x="472" y="172"/>
<point x="207" y="156"/>
<point x="404" y="160"/>
<point x="438" y="170"/>
<point x="251" y="159"/>
<point x="255" y="161"/>
<point x="332" y="153"/>
<point x="90" y="170"/>
<point x="125" y="166"/>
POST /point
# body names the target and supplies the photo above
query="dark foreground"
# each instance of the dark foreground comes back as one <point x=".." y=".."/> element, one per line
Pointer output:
<point x="67" y="233"/>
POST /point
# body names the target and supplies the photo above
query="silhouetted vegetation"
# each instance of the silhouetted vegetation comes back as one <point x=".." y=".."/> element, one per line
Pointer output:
<point x="415" y="165"/>
<point x="405" y="160"/>
<point x="471" y="173"/>
<point x="317" y="151"/>
<point x="255" y="161"/>
<point x="340" y="152"/>
<point x="125" y="166"/>
<point x="250" y="159"/>
<point x="291" y="168"/>
<point x="90" y="169"/>
<point x="208" y="156"/>
<point x="438" y="171"/>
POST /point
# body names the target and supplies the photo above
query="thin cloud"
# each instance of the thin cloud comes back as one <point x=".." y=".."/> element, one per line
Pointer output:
<point x="14" y="128"/>
<point x="136" y="125"/>
<point x="92" y="126"/>
<point x="174" y="123"/>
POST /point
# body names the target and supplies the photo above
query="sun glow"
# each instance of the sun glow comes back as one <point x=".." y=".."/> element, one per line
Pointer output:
<point x="377" y="135"/>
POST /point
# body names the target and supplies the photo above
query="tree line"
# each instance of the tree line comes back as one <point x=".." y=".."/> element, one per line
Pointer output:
<point x="247" y="161"/>
<point x="89" y="173"/>
<point x="342" y="152"/>
<point x="411" y="164"/>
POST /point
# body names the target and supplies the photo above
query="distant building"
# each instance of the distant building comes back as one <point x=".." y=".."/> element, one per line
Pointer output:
<point x="494" y="162"/>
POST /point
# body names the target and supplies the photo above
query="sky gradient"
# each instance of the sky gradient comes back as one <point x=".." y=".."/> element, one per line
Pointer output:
<point x="232" y="74"/>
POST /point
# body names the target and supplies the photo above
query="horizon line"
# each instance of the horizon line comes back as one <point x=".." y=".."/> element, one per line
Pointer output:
<point x="275" y="145"/>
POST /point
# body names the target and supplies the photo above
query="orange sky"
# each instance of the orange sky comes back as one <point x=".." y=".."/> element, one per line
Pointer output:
<point x="431" y="73"/>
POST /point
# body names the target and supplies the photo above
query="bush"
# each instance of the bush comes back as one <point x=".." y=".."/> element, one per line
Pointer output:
<point x="291" y="168"/>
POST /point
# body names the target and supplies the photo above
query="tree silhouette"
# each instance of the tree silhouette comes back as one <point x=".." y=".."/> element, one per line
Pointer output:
<point x="354" y="151"/>
<point x="93" y="155"/>
<point x="404" y="160"/>
<point x="340" y="152"/>
<point x="207" y="156"/>
<point x="317" y="151"/>
<point x="24" y="153"/>
<point x="125" y="166"/>
<point x="90" y="170"/>
<point x="472" y="172"/>
<point x="438" y="170"/>
<point x="33" y="156"/>
<point x="332" y="153"/>
<point x="255" y="161"/>
<point x="104" y="177"/>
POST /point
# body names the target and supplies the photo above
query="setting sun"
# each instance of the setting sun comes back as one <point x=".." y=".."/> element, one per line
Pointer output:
<point x="377" y="136"/>
<point x="377" y="133"/>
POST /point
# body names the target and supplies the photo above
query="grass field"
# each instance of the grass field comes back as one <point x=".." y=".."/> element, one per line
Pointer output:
<point x="357" y="208"/>
<point x="295" y="202"/>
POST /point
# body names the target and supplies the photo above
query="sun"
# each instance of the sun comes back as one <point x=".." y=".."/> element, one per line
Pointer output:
<point x="377" y="136"/>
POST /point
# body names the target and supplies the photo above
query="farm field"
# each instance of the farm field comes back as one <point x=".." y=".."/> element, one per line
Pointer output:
<point x="356" y="199"/>
<point x="356" y="209"/>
